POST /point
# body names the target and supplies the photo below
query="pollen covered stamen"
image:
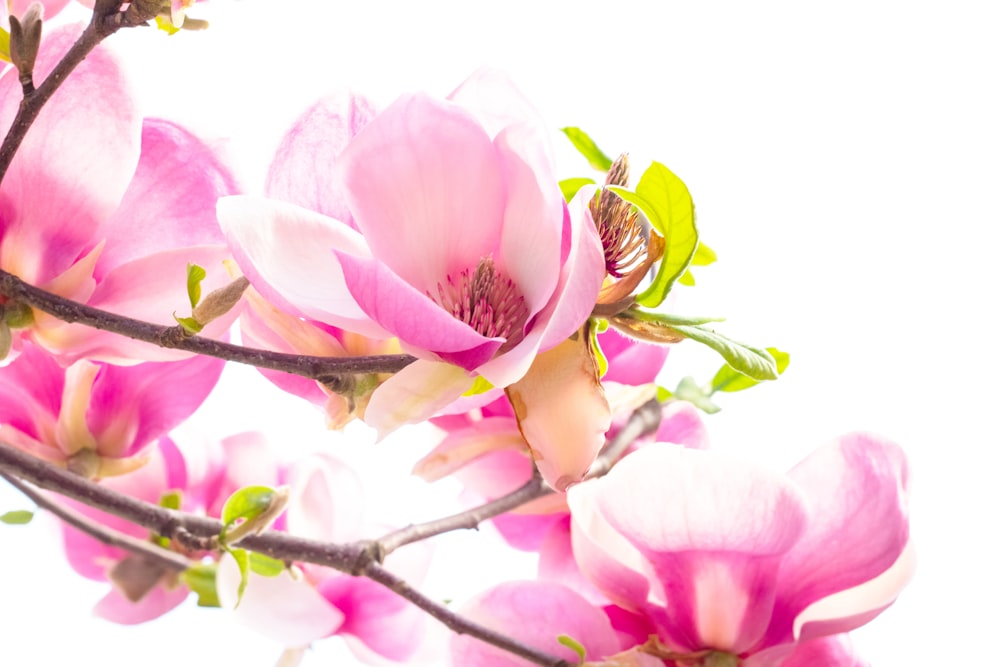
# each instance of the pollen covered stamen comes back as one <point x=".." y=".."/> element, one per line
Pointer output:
<point x="486" y="300"/>
<point x="618" y="224"/>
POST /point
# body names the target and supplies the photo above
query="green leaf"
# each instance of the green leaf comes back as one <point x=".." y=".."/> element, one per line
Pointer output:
<point x="752" y="361"/>
<point x="201" y="580"/>
<point x="265" y="565"/>
<point x="164" y="24"/>
<point x="576" y="646"/>
<point x="570" y="186"/>
<point x="242" y="558"/>
<point x="17" y="517"/>
<point x="688" y="390"/>
<point x="191" y="325"/>
<point x="195" y="274"/>
<point x="4" y="45"/>
<point x="663" y="394"/>
<point x="665" y="200"/>
<point x="582" y="142"/>
<point x="171" y="500"/>
<point x="703" y="255"/>
<point x="244" y="506"/>
<point x="686" y="278"/>
<point x="729" y="379"/>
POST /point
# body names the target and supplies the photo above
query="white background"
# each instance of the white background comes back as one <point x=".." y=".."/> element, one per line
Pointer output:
<point x="844" y="161"/>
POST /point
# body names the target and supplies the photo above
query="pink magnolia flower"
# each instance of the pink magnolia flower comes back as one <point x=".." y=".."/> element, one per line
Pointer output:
<point x="140" y="591"/>
<point x="310" y="603"/>
<point x="107" y="213"/>
<point x="96" y="418"/>
<point x="457" y="243"/>
<point x="715" y="554"/>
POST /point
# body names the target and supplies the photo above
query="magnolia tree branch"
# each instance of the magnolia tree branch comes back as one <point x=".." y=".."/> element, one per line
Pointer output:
<point x="174" y="337"/>
<point x="149" y="551"/>
<point x="196" y="532"/>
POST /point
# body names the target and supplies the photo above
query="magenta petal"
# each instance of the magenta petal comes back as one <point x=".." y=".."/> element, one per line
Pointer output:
<point x="382" y="620"/>
<point x="302" y="170"/>
<point x="413" y="317"/>
<point x="425" y="186"/>
<point x="856" y="491"/>
<point x="171" y="200"/>
<point x="629" y="361"/>
<point x="31" y="390"/>
<point x="681" y="424"/>
<point x="71" y="171"/>
<point x="536" y="613"/>
<point x="832" y="651"/>
<point x="133" y="405"/>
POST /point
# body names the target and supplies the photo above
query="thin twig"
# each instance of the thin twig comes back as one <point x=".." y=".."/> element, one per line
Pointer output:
<point x="530" y="490"/>
<point x="174" y="337"/>
<point x="149" y="551"/>
<point x="644" y="421"/>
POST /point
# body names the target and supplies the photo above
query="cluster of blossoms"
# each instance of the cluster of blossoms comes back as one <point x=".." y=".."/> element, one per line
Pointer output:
<point x="436" y="228"/>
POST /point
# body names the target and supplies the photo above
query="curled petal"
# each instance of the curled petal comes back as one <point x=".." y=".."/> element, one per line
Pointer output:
<point x="414" y="394"/>
<point x="117" y="608"/>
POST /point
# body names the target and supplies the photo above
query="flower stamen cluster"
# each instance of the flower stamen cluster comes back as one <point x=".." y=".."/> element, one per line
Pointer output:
<point x="486" y="300"/>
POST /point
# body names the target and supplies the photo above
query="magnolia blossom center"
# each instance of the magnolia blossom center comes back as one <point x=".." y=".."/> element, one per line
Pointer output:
<point x="618" y="224"/>
<point x="486" y="300"/>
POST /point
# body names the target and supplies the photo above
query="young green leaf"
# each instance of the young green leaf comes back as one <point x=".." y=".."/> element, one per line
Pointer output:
<point x="703" y="256"/>
<point x="479" y="386"/>
<point x="195" y="274"/>
<point x="17" y="517"/>
<point x="201" y="580"/>
<point x="242" y="558"/>
<point x="688" y="390"/>
<point x="595" y="347"/>
<point x="570" y="186"/>
<point x="729" y="379"/>
<point x="171" y="500"/>
<point x="4" y="45"/>
<point x="251" y="510"/>
<point x="191" y="325"/>
<point x="582" y="142"/>
<point x="751" y="361"/>
<point x="574" y="645"/>
<point x="265" y="565"/>
<point x="665" y="200"/>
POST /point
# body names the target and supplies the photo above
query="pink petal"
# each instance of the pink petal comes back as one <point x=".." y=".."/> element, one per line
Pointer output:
<point x="681" y="424"/>
<point x="302" y="171"/>
<point x="856" y="491"/>
<point x="536" y="613"/>
<point x="533" y="215"/>
<point x="326" y="500"/>
<point x="562" y="411"/>
<point x="420" y="324"/>
<point x="631" y="362"/>
<point x="719" y="532"/>
<point x="832" y="651"/>
<point x="116" y="608"/>
<point x="286" y="253"/>
<point x="131" y="406"/>
<point x="425" y="185"/>
<point x="52" y="7"/>
<point x="31" y="390"/>
<point x="288" y="610"/>
<point x="414" y="394"/>
<point x="71" y="171"/>
<point x="496" y="102"/>
<point x="171" y="199"/>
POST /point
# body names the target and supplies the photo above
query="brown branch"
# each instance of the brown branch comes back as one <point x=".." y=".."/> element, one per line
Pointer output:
<point x="196" y="532"/>
<point x="174" y="337"/>
<point x="530" y="490"/>
<point x="168" y="559"/>
<point x="643" y="421"/>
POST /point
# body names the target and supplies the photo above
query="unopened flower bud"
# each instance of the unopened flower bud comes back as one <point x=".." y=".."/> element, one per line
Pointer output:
<point x="25" y="37"/>
<point x="220" y="301"/>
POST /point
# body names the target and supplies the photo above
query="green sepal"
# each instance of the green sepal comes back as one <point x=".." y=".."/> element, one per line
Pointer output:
<point x="479" y="386"/>
<point x="201" y="579"/>
<point x="195" y="274"/>
<point x="189" y="324"/>
<point x="729" y="379"/>
<point x="585" y="145"/>
<point x="4" y="45"/>
<point x="17" y="517"/>
<point x="574" y="645"/>
<point x="265" y="566"/>
<point x="688" y="390"/>
<point x="663" y="394"/>
<point x="665" y="200"/>
<point x="749" y="360"/>
<point x="570" y="186"/>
